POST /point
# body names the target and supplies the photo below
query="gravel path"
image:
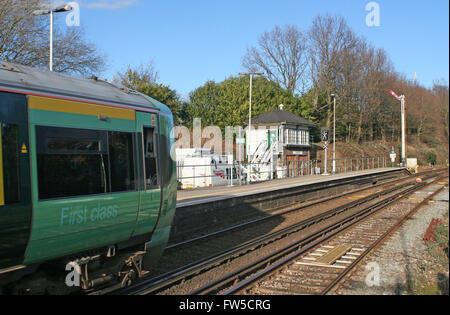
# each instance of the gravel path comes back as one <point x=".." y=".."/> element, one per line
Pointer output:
<point x="404" y="259"/>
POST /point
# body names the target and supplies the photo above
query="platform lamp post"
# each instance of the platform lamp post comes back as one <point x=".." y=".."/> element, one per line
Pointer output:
<point x="251" y="74"/>
<point x="334" y="133"/>
<point x="402" y="99"/>
<point x="58" y="9"/>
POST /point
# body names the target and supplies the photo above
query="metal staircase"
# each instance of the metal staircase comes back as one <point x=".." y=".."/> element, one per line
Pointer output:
<point x="262" y="161"/>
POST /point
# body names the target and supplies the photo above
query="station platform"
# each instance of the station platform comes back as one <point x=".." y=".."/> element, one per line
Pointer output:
<point x="186" y="198"/>
<point x="207" y="210"/>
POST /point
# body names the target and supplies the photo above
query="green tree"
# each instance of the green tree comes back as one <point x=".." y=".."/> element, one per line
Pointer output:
<point x="432" y="157"/>
<point x="227" y="103"/>
<point x="203" y="104"/>
<point x="143" y="79"/>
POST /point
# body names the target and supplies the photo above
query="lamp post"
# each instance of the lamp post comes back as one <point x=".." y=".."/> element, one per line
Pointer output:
<point x="334" y="133"/>
<point x="402" y="100"/>
<point x="250" y="117"/>
<point x="58" y="9"/>
<point x="251" y="83"/>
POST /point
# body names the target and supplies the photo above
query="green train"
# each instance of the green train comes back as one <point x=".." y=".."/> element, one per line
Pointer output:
<point x="87" y="183"/>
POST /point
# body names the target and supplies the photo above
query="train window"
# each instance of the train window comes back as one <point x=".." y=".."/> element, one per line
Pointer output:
<point x="10" y="159"/>
<point x="150" y="154"/>
<point x="71" y="162"/>
<point x="79" y="162"/>
<point x="55" y="140"/>
<point x="72" y="145"/>
<point x="121" y="158"/>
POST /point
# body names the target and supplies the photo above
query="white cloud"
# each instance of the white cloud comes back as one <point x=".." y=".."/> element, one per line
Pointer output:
<point x="109" y="4"/>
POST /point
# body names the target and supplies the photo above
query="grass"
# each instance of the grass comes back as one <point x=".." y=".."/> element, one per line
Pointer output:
<point x="439" y="251"/>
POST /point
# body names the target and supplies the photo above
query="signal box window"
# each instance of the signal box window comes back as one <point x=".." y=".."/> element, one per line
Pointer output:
<point x="10" y="159"/>
<point x="150" y="154"/>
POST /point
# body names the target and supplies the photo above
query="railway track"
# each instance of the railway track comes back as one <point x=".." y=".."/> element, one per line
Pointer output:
<point x="319" y="266"/>
<point x="339" y="207"/>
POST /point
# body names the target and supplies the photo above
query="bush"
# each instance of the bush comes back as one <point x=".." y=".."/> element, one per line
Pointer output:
<point x="432" y="157"/>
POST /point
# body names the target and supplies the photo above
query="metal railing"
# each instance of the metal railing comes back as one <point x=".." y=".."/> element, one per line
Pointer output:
<point x="211" y="175"/>
<point x="361" y="164"/>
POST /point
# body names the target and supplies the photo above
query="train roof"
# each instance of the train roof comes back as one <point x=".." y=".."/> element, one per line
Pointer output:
<point x="24" y="79"/>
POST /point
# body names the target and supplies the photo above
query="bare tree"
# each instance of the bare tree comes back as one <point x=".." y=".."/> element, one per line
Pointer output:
<point x="24" y="39"/>
<point x="374" y="70"/>
<point x="440" y="89"/>
<point x="330" y="39"/>
<point x="20" y="32"/>
<point x="281" y="54"/>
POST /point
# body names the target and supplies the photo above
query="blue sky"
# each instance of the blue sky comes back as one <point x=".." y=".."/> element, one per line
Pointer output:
<point x="193" y="41"/>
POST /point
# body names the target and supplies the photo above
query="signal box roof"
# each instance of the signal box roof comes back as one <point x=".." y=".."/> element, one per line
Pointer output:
<point x="281" y="117"/>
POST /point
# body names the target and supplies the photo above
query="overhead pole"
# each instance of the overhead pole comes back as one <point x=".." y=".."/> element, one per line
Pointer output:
<point x="51" y="40"/>
<point x="403" y="104"/>
<point x="334" y="133"/>
<point x="402" y="100"/>
<point x="251" y="74"/>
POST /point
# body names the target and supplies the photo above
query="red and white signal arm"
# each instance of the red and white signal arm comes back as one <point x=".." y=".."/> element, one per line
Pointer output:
<point x="395" y="95"/>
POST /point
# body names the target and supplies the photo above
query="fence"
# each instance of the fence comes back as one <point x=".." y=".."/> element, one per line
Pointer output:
<point x="354" y="165"/>
<point x="222" y="174"/>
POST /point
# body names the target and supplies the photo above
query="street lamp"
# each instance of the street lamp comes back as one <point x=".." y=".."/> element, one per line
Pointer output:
<point x="58" y="9"/>
<point x="402" y="99"/>
<point x="250" y="117"/>
<point x="251" y="83"/>
<point x="334" y="133"/>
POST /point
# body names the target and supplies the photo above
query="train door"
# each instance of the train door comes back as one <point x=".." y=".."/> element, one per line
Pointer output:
<point x="150" y="199"/>
<point x="15" y="201"/>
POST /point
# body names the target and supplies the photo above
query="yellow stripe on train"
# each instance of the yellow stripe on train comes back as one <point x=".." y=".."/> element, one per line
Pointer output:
<point x="73" y="107"/>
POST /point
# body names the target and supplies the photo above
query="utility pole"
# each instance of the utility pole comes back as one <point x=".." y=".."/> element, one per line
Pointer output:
<point x="250" y="118"/>
<point x="251" y="86"/>
<point x="402" y="100"/>
<point x="334" y="133"/>
<point x="403" y="105"/>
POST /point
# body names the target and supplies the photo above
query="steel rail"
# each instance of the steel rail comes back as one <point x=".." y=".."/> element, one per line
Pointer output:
<point x="180" y="274"/>
<point x="380" y="241"/>
<point x="272" y="262"/>
<point x="292" y="250"/>
<point x="246" y="224"/>
<point x="273" y="268"/>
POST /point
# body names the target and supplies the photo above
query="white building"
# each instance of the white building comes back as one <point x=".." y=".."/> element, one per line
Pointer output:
<point x="197" y="168"/>
<point x="287" y="137"/>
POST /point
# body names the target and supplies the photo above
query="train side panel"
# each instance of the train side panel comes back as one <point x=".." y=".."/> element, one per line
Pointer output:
<point x="161" y="234"/>
<point x="76" y="205"/>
